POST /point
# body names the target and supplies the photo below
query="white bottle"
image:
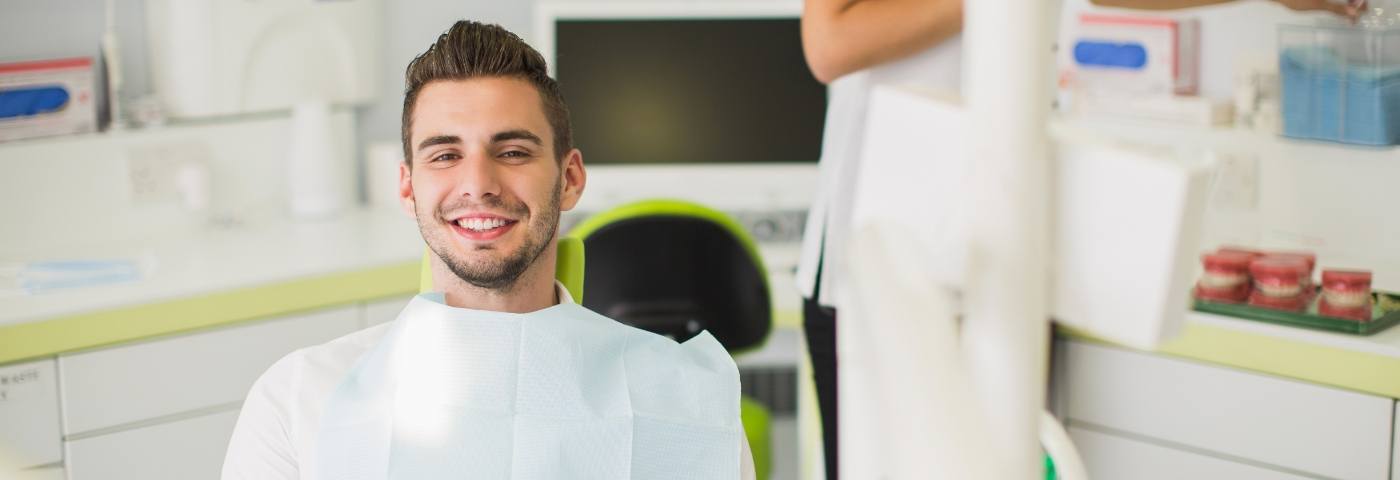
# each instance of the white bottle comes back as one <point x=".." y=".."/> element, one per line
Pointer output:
<point x="318" y="174"/>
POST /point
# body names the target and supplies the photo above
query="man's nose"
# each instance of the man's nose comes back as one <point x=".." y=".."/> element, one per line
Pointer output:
<point x="479" y="177"/>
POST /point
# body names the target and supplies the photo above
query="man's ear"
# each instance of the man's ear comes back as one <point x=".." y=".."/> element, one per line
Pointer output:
<point x="406" y="190"/>
<point x="574" y="180"/>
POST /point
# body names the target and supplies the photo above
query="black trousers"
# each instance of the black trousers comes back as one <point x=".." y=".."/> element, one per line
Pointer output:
<point x="819" y="326"/>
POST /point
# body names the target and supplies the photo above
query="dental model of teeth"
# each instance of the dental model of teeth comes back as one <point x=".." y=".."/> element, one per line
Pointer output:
<point x="1279" y="282"/>
<point x="1346" y="294"/>
<point x="1283" y="281"/>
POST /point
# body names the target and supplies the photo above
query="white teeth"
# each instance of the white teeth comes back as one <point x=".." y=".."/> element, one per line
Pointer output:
<point x="1346" y="299"/>
<point x="481" y="224"/>
<point x="1279" y="290"/>
<point x="1222" y="280"/>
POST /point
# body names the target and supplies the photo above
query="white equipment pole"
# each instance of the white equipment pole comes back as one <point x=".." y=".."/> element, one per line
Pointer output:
<point x="1005" y="333"/>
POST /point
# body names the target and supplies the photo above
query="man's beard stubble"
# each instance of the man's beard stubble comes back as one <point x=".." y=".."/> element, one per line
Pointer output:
<point x="500" y="275"/>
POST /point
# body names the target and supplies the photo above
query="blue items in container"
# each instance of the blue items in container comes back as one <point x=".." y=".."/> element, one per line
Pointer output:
<point x="1093" y="53"/>
<point x="31" y="100"/>
<point x="1325" y="97"/>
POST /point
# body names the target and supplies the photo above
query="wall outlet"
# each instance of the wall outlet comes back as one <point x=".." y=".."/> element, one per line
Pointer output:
<point x="155" y="169"/>
<point x="1236" y="185"/>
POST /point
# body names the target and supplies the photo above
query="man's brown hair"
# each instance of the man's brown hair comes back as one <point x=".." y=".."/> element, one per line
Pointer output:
<point x="472" y="49"/>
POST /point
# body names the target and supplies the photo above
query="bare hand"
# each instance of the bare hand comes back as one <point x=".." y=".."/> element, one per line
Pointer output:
<point x="1351" y="9"/>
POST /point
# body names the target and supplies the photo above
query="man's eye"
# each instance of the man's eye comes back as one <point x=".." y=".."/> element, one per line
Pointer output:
<point x="445" y="157"/>
<point x="516" y="156"/>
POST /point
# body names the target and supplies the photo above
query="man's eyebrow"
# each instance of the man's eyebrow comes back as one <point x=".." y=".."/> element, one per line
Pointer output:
<point x="439" y="140"/>
<point x="517" y="134"/>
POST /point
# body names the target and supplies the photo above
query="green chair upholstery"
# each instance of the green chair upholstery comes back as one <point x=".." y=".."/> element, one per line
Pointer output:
<point x="675" y="268"/>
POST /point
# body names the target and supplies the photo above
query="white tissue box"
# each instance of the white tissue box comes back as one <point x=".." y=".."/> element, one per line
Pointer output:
<point x="47" y="97"/>
<point x="1125" y="55"/>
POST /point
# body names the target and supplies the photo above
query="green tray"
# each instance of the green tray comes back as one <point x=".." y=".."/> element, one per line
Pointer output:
<point x="1385" y="314"/>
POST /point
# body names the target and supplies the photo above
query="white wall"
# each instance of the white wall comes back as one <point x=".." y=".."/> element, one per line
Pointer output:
<point x="34" y="29"/>
<point x="37" y="29"/>
<point x="49" y="28"/>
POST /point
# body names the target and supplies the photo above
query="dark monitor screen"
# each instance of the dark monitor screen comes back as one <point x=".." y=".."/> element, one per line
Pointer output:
<point x="689" y="91"/>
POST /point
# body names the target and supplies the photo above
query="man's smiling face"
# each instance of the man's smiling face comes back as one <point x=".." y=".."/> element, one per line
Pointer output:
<point x="485" y="184"/>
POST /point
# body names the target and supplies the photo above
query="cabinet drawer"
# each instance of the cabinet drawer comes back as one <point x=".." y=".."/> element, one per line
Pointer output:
<point x="187" y="449"/>
<point x="1293" y="425"/>
<point x="42" y="473"/>
<point x="141" y="381"/>
<point x="1110" y="456"/>
<point x="29" y="431"/>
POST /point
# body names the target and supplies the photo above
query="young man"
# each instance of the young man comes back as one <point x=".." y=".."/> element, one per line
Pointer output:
<point x="500" y="375"/>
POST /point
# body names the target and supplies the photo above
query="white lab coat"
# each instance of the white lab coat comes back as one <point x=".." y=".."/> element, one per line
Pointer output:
<point x="829" y="219"/>
<point x="276" y="434"/>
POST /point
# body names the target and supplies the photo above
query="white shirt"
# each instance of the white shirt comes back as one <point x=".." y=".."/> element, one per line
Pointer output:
<point x="828" y="221"/>
<point x="275" y="436"/>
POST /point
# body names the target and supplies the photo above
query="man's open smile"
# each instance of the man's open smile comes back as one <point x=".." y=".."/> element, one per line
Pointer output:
<point x="482" y="227"/>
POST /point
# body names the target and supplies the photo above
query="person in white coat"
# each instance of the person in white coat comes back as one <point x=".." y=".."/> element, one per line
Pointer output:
<point x="853" y="45"/>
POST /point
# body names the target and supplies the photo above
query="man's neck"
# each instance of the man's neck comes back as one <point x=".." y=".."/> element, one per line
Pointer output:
<point x="534" y="290"/>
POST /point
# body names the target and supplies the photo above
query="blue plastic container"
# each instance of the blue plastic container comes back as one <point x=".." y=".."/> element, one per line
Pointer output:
<point x="1340" y="84"/>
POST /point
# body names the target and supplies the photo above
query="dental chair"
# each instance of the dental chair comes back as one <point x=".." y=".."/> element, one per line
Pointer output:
<point x="676" y="268"/>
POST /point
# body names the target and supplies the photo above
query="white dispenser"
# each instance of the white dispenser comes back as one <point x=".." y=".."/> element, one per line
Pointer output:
<point x="318" y="166"/>
<point x="220" y="57"/>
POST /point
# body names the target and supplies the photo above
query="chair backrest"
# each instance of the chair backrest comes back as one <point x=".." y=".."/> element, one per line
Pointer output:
<point x="568" y="268"/>
<point x="676" y="268"/>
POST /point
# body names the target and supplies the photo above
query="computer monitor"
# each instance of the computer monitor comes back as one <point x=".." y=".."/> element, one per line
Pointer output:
<point x="709" y="102"/>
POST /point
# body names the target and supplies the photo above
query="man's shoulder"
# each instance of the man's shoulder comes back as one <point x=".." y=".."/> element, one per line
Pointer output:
<point x="278" y="422"/>
<point x="342" y="352"/>
<point x="314" y="370"/>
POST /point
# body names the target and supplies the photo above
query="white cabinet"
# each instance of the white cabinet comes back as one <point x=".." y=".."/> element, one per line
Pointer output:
<point x="1261" y="420"/>
<point x="1110" y="456"/>
<point x="187" y="449"/>
<point x="116" y="387"/>
<point x="384" y="311"/>
<point x="29" y="429"/>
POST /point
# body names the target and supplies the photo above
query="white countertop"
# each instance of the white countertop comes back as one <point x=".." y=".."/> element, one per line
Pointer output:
<point x="214" y="259"/>
<point x="1385" y="343"/>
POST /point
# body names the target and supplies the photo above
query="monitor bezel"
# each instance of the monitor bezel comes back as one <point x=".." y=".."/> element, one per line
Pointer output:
<point x="731" y="187"/>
